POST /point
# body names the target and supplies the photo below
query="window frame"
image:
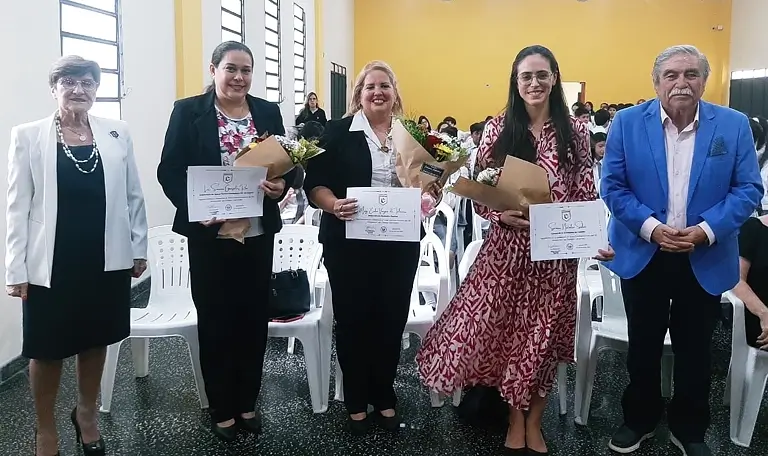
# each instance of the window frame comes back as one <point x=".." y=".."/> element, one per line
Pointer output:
<point x="240" y="15"/>
<point x="118" y="44"/>
<point x="303" y="56"/>
<point x="279" y="60"/>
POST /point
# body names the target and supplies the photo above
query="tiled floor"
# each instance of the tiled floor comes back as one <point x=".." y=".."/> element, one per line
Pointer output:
<point x="159" y="415"/>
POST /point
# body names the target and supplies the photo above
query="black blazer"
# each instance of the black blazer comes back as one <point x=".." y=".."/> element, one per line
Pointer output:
<point x="306" y="115"/>
<point x="192" y="139"/>
<point x="345" y="163"/>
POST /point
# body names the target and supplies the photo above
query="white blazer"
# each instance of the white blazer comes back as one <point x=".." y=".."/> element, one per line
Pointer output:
<point x="32" y="200"/>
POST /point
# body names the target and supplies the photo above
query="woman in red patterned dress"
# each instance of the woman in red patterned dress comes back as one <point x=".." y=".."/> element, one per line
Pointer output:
<point x="513" y="320"/>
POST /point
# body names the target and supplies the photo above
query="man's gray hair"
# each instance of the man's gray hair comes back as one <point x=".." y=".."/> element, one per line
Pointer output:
<point x="682" y="49"/>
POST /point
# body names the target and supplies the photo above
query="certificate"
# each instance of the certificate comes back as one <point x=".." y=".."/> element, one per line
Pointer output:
<point x="224" y="192"/>
<point x="567" y="230"/>
<point x="385" y="214"/>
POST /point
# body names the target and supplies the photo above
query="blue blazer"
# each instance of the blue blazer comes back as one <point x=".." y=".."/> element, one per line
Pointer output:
<point x="725" y="188"/>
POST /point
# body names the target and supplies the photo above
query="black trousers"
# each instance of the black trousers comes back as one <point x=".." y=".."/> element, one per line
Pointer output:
<point x="230" y="287"/>
<point x="371" y="283"/>
<point x="691" y="320"/>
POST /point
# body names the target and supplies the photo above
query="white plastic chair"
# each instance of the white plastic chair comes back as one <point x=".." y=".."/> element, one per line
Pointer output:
<point x="429" y="280"/>
<point x="297" y="247"/>
<point x="421" y="317"/>
<point x="746" y="380"/>
<point x="611" y="333"/>
<point x="170" y="312"/>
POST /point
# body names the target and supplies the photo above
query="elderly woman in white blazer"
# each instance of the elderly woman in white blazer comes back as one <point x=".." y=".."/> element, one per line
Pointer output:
<point x="77" y="233"/>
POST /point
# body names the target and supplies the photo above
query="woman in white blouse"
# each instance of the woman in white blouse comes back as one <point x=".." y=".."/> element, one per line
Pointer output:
<point x="371" y="280"/>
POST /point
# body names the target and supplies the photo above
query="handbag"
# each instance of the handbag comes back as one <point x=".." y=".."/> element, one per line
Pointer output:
<point x="288" y="294"/>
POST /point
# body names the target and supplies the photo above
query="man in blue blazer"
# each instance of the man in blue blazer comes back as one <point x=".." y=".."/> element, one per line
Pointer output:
<point x="680" y="177"/>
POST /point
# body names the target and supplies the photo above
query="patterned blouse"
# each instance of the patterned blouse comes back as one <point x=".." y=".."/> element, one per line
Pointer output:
<point x="234" y="134"/>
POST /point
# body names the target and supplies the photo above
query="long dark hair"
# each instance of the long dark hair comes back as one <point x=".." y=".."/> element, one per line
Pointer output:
<point x="306" y="102"/>
<point x="423" y="118"/>
<point x="515" y="139"/>
<point x="221" y="51"/>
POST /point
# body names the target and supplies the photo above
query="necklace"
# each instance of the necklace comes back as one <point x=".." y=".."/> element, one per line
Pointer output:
<point x="81" y="136"/>
<point x="68" y="152"/>
<point x="387" y="141"/>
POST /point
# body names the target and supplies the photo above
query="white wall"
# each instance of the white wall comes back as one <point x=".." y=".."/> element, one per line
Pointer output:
<point x="749" y="44"/>
<point x="29" y="33"/>
<point x="338" y="43"/>
<point x="254" y="38"/>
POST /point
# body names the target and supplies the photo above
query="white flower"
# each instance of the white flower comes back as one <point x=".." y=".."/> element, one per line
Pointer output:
<point x="489" y="176"/>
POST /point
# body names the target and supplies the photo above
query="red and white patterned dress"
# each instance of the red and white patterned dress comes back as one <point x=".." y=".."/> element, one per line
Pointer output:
<point x="512" y="320"/>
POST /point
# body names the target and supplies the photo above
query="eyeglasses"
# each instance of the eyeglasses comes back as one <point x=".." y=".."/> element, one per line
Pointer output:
<point x="88" y="85"/>
<point x="542" y="76"/>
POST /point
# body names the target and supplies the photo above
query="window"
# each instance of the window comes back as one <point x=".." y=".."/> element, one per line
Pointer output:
<point x="749" y="74"/>
<point x="272" y="50"/>
<point x="233" y="20"/>
<point x="91" y="29"/>
<point x="299" y="58"/>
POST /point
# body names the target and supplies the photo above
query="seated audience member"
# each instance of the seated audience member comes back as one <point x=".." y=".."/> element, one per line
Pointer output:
<point x="464" y="213"/>
<point x="752" y="288"/>
<point x="602" y="120"/>
<point x="488" y="118"/>
<point x="425" y="124"/>
<point x="576" y="106"/>
<point x="759" y="126"/>
<point x="598" y="151"/>
<point x="612" y="109"/>
<point x="311" y="130"/>
<point x="640" y="101"/>
<point x="450" y="121"/>
<point x="590" y="107"/>
<point x="442" y="126"/>
<point x="604" y="106"/>
<point x="582" y="114"/>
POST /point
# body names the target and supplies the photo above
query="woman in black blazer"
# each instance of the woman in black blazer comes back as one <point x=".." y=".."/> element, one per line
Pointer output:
<point x="371" y="280"/>
<point x="229" y="280"/>
<point x="311" y="111"/>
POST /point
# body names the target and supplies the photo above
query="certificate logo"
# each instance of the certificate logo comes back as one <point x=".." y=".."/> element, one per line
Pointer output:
<point x="383" y="229"/>
<point x="383" y="199"/>
<point x="228" y="178"/>
<point x="569" y="246"/>
<point x="228" y="207"/>
<point x="566" y="215"/>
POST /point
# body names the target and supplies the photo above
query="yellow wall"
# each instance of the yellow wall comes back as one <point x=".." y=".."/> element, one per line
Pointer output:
<point x="189" y="47"/>
<point x="454" y="57"/>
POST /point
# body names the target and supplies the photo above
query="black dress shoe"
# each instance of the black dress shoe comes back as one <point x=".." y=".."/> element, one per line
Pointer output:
<point x="96" y="448"/>
<point x="389" y="423"/>
<point x="252" y="425"/>
<point x="358" y="427"/>
<point x="536" y="453"/>
<point x="625" y="440"/>
<point x="515" y="451"/>
<point x="690" y="449"/>
<point x="227" y="434"/>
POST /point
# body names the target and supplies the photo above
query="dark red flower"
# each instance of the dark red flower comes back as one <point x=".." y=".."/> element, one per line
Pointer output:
<point x="432" y="141"/>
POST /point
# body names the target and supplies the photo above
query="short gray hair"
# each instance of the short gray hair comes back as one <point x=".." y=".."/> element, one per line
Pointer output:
<point x="681" y="49"/>
<point x="73" y="66"/>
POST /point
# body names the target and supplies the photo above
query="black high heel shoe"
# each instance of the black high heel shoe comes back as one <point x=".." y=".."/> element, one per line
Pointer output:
<point x="57" y="453"/>
<point x="96" y="448"/>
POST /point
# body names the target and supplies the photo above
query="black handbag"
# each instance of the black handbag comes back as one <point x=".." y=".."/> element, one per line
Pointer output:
<point x="288" y="294"/>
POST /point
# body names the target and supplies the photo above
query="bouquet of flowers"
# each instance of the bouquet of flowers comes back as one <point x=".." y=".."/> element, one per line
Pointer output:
<point x="279" y="155"/>
<point x="425" y="157"/>
<point x="515" y="186"/>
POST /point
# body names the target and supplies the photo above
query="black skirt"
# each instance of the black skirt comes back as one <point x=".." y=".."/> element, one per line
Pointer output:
<point x="85" y="307"/>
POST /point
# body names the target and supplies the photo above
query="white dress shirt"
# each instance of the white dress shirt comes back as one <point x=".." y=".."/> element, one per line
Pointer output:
<point x="383" y="172"/>
<point x="679" y="147"/>
<point x="764" y="175"/>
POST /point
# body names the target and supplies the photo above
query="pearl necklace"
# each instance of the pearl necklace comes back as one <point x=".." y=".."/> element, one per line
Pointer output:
<point x="68" y="152"/>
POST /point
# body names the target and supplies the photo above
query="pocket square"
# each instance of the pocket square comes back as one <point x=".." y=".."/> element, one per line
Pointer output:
<point x="114" y="134"/>
<point x="718" y="147"/>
